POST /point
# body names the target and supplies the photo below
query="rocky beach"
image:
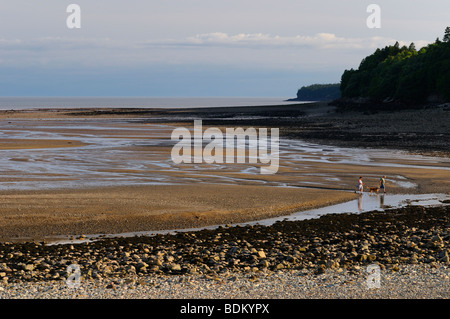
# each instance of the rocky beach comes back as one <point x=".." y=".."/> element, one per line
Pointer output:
<point x="323" y="258"/>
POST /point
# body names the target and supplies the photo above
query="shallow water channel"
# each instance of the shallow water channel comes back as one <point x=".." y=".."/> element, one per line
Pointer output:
<point x="365" y="203"/>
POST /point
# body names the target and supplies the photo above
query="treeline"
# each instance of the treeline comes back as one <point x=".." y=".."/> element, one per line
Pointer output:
<point x="404" y="74"/>
<point x="319" y="92"/>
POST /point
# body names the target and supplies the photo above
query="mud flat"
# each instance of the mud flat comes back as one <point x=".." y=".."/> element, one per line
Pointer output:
<point x="90" y="171"/>
<point x="37" y="215"/>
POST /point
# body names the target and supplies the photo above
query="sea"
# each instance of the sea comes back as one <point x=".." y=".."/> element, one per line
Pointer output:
<point x="25" y="103"/>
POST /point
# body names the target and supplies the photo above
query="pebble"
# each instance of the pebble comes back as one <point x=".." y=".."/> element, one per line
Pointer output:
<point x="329" y="249"/>
<point x="412" y="282"/>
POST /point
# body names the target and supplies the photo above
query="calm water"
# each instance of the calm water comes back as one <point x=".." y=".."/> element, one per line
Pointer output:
<point x="17" y="103"/>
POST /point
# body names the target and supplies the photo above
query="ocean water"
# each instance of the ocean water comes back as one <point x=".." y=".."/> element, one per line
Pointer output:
<point x="20" y="103"/>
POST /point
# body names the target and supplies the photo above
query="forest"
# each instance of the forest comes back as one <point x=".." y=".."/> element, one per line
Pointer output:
<point x="318" y="92"/>
<point x="402" y="73"/>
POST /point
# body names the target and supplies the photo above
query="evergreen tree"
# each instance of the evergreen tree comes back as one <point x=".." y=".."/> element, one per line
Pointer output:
<point x="402" y="73"/>
<point x="319" y="92"/>
<point x="447" y="35"/>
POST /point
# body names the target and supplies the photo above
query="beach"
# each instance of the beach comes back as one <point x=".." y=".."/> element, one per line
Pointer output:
<point x="77" y="172"/>
<point x="326" y="258"/>
<point x="41" y="215"/>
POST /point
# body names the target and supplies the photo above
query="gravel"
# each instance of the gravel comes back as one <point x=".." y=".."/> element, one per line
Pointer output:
<point x="408" y="282"/>
<point x="326" y="257"/>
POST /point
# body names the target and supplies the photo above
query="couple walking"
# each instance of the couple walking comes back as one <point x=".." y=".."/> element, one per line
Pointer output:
<point x="382" y="186"/>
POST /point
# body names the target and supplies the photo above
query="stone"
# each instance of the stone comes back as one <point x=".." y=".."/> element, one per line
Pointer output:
<point x="111" y="286"/>
<point x="29" y="267"/>
<point x="436" y="238"/>
<point x="107" y="270"/>
<point x="262" y="254"/>
<point x="411" y="244"/>
<point x="215" y="259"/>
<point x="141" y="265"/>
<point x="279" y="266"/>
<point x="154" y="268"/>
<point x="332" y="264"/>
<point x="175" y="267"/>
<point x="130" y="268"/>
<point x="170" y="258"/>
<point x="320" y="270"/>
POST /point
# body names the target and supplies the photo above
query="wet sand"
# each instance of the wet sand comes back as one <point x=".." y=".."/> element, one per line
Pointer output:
<point x="20" y="144"/>
<point x="35" y="215"/>
<point x="97" y="143"/>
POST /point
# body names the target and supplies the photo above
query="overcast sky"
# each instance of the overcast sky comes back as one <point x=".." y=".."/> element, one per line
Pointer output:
<point x="198" y="47"/>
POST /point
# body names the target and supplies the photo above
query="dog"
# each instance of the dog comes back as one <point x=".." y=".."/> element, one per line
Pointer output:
<point x="373" y="189"/>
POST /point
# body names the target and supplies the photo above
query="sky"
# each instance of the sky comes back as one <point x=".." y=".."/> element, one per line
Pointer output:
<point x="176" y="48"/>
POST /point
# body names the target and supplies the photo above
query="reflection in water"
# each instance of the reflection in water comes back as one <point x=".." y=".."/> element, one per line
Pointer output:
<point x="381" y="198"/>
<point x="360" y="203"/>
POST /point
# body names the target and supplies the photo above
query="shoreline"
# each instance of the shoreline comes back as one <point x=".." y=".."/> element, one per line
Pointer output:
<point x="409" y="245"/>
<point x="125" y="209"/>
<point x="354" y="206"/>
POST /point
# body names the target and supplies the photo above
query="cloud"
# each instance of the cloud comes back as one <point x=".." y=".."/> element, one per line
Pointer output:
<point x="216" y="48"/>
<point x="255" y="40"/>
<point x="214" y="39"/>
<point x="55" y="43"/>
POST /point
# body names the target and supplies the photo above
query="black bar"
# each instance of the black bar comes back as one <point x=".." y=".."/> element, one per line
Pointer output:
<point x="223" y="308"/>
